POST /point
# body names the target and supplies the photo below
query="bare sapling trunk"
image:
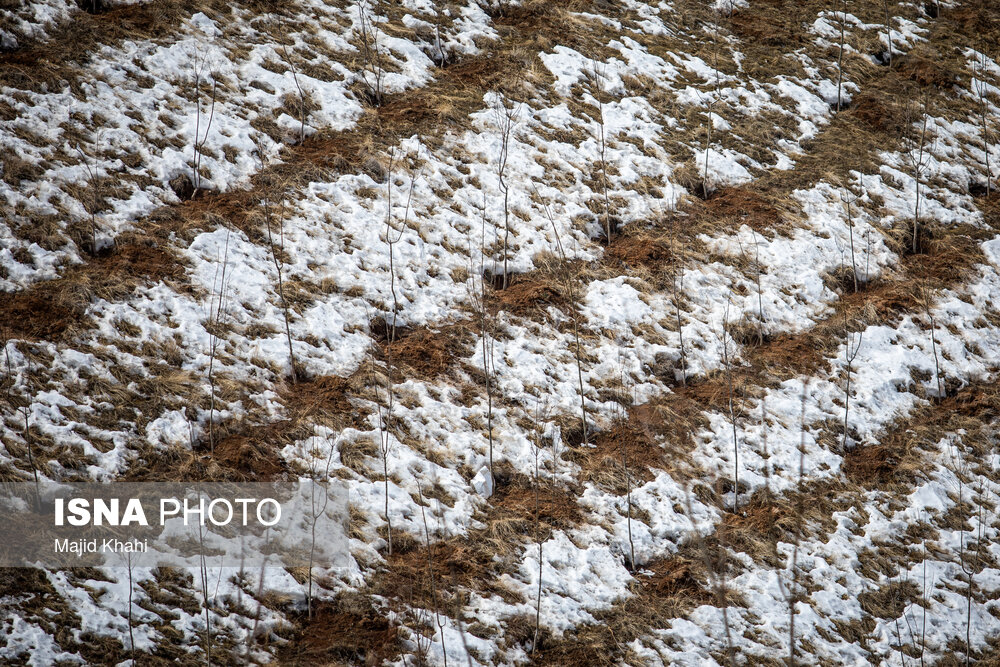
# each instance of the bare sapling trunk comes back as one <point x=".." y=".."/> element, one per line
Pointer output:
<point x="680" y="325"/>
<point x="435" y="600"/>
<point x="506" y="120"/>
<point x="570" y="281"/>
<point x="925" y="603"/>
<point x="302" y="98"/>
<point x="763" y="436"/>
<point x="203" y="572"/>
<point x="392" y="237"/>
<point x="479" y="297"/>
<point x="714" y="561"/>
<point x="385" y="437"/>
<point x="840" y="58"/>
<point x="274" y="221"/>
<point x="760" y="292"/>
<point x="970" y="569"/>
<point x="199" y="144"/>
<point x="888" y="30"/>
<point x="918" y="166"/>
<point x="983" y="113"/>
<point x="937" y="366"/>
<point x="256" y="617"/>
<point x="25" y="412"/>
<point x="706" y="189"/>
<point x="372" y="56"/>
<point x="442" y="58"/>
<point x="676" y="281"/>
<point x="131" y="631"/>
<point x="216" y="311"/>
<point x="95" y="192"/>
<point x="728" y="363"/>
<point x="850" y="232"/>
<point x="852" y="345"/>
<point x="598" y="75"/>
<point x="793" y="592"/>
<point x="320" y="480"/>
<point x="536" y="450"/>
<point x="625" y="400"/>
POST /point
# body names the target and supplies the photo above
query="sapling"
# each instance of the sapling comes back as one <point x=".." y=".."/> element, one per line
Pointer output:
<point x="506" y="120"/>
<point x="850" y="231"/>
<point x="570" y="280"/>
<point x="598" y="75"/>
<point x="852" y="346"/>
<point x="888" y="30"/>
<point x="302" y="98"/>
<point x="317" y="507"/>
<point x="680" y="326"/>
<point x="728" y="363"/>
<point x="536" y="446"/>
<point x="199" y="144"/>
<point x="937" y="366"/>
<point x="970" y="570"/>
<point x="479" y="299"/>
<point x="373" y="65"/>
<point x="203" y="572"/>
<point x="716" y="568"/>
<point x="277" y="252"/>
<point x="392" y="237"/>
<point x="25" y="412"/>
<point x="442" y="58"/>
<point x="840" y="59"/>
<point x="676" y="281"/>
<point x="918" y="165"/>
<point x="763" y="435"/>
<point x="436" y="606"/>
<point x="628" y="480"/>
<point x="458" y="620"/>
<point x="799" y="519"/>
<point x="385" y="436"/>
<point x="980" y="84"/>
<point x="216" y="310"/>
<point x="131" y="631"/>
<point x="95" y="195"/>
<point x="710" y="124"/>
<point x="757" y="283"/>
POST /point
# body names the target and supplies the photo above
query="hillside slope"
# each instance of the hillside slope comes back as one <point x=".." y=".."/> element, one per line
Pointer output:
<point x="639" y="332"/>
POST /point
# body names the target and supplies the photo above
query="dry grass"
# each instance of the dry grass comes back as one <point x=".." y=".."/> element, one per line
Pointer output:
<point x="54" y="310"/>
<point x="428" y="354"/>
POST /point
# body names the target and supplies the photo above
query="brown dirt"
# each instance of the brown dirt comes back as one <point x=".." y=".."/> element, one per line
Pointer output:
<point x="343" y="636"/>
<point x="788" y="355"/>
<point x="429" y="353"/>
<point x="528" y="293"/>
<point x="768" y="27"/>
<point x="667" y="588"/>
<point x="248" y="452"/>
<point x="76" y="40"/>
<point x="476" y="561"/>
<point x="743" y="206"/>
<point x="642" y="249"/>
<point x="514" y="499"/>
<point x="321" y="396"/>
<point x="47" y="310"/>
<point x="895" y="460"/>
<point x="925" y="69"/>
<point x="603" y="463"/>
<point x="673" y="577"/>
<point x="878" y="112"/>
